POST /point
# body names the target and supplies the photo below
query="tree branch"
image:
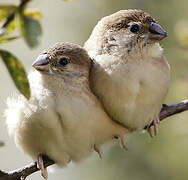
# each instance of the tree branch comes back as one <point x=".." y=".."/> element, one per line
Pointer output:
<point x="170" y="110"/>
<point x="11" y="16"/>
<point x="22" y="173"/>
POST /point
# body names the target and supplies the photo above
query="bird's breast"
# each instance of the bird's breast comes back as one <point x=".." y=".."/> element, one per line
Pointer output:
<point x="133" y="93"/>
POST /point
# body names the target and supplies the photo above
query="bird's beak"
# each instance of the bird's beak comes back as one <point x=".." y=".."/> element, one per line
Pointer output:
<point x="157" y="33"/>
<point x="41" y="63"/>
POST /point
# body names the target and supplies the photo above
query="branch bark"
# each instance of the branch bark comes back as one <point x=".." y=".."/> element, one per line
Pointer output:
<point x="22" y="173"/>
<point x="170" y="110"/>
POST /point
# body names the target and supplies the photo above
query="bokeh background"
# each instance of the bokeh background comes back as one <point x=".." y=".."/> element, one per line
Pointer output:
<point x="161" y="158"/>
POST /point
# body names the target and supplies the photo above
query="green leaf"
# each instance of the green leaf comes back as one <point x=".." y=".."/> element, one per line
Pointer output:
<point x="6" y="10"/>
<point x="17" y="72"/>
<point x="6" y="6"/>
<point x="35" y="14"/>
<point x="7" y="39"/>
<point x="31" y="30"/>
<point x="10" y="28"/>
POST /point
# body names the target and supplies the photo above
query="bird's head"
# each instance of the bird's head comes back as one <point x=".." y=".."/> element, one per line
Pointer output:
<point x="125" y="30"/>
<point x="63" y="60"/>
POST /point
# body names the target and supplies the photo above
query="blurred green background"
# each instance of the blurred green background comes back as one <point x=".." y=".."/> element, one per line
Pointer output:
<point x="161" y="158"/>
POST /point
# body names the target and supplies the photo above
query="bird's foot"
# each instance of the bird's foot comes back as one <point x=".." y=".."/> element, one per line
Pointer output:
<point x="122" y="142"/>
<point x="155" y="123"/>
<point x="40" y="164"/>
<point x="97" y="149"/>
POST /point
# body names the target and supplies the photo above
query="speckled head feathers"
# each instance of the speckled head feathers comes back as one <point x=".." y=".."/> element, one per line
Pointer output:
<point x="76" y="53"/>
<point x="125" y="30"/>
<point x="122" y="18"/>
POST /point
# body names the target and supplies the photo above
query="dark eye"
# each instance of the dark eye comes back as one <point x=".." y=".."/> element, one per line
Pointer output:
<point x="134" y="28"/>
<point x="63" y="61"/>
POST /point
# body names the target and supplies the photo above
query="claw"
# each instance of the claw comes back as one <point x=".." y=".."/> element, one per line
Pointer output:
<point x="40" y="164"/>
<point x="155" y="122"/>
<point x="149" y="130"/>
<point x="158" y="120"/>
<point x="155" y="127"/>
<point x="122" y="143"/>
<point x="97" y="149"/>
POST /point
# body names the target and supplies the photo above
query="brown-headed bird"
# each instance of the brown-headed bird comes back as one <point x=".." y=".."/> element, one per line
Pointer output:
<point x="62" y="119"/>
<point x="129" y="75"/>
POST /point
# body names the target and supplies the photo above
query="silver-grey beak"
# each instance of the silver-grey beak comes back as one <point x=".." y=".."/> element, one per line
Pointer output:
<point x="157" y="32"/>
<point x="40" y="64"/>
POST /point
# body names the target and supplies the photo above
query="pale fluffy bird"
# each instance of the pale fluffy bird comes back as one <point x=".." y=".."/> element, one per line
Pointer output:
<point x="62" y="119"/>
<point x="129" y="74"/>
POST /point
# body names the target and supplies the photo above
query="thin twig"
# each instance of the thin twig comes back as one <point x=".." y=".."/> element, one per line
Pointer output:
<point x="27" y="170"/>
<point x="22" y="173"/>
<point x="8" y="20"/>
<point x="170" y="110"/>
<point x="12" y="15"/>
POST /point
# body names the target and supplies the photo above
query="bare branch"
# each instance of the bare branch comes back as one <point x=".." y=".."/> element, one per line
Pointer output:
<point x="170" y="110"/>
<point x="22" y="173"/>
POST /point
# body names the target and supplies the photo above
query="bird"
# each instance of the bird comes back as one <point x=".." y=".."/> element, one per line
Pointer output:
<point x="63" y="119"/>
<point x="129" y="74"/>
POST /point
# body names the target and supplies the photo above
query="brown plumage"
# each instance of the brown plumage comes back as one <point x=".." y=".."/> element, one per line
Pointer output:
<point x="122" y="18"/>
<point x="76" y="53"/>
